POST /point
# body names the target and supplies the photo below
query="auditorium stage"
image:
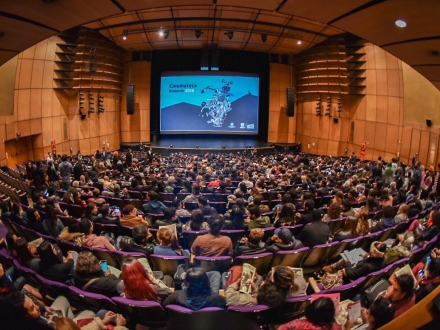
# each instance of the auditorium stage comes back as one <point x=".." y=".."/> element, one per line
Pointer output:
<point x="205" y="143"/>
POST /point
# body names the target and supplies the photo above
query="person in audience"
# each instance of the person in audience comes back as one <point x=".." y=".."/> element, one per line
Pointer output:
<point x="387" y="220"/>
<point x="92" y="240"/>
<point x="315" y="233"/>
<point x="53" y="265"/>
<point x="255" y="219"/>
<point x="402" y="214"/>
<point x="90" y="277"/>
<point x="212" y="244"/>
<point x="258" y="202"/>
<point x="105" y="217"/>
<point x="339" y="197"/>
<point x="282" y="240"/>
<point x="95" y="198"/>
<point x="194" y="196"/>
<point x="433" y="226"/>
<point x="286" y="216"/>
<point x="140" y="285"/>
<point x="52" y="225"/>
<point x="65" y="169"/>
<point x="40" y="203"/>
<point x="153" y="205"/>
<point x="377" y="315"/>
<point x="27" y="253"/>
<point x="346" y="209"/>
<point x="142" y="241"/>
<point x="171" y="218"/>
<point x="181" y="212"/>
<point x="205" y="207"/>
<point x="34" y="221"/>
<point x="130" y="218"/>
<point x="333" y="212"/>
<point x="362" y="216"/>
<point x="91" y="212"/>
<point x="430" y="280"/>
<point x="251" y="245"/>
<point x="64" y="323"/>
<point x="310" y="214"/>
<point x="52" y="201"/>
<point x="72" y="232"/>
<point x="236" y="219"/>
<point x="401" y="294"/>
<point x="168" y="244"/>
<point x="197" y="222"/>
<point x="197" y="293"/>
<point x="348" y="231"/>
<point x="77" y="197"/>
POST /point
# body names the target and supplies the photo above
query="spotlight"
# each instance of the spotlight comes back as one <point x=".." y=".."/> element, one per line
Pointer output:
<point x="171" y="146"/>
<point x="161" y="32"/>
<point x="198" y="33"/>
<point x="400" y="23"/>
<point x="263" y="37"/>
<point x="230" y="34"/>
<point x="166" y="34"/>
<point x="197" y="147"/>
<point x="299" y="42"/>
<point x="124" y="35"/>
<point x="223" y="147"/>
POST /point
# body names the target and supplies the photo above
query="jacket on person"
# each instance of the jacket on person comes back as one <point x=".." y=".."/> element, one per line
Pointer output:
<point x="383" y="224"/>
<point x="314" y="234"/>
<point x="181" y="298"/>
<point x="105" y="285"/>
<point x="128" y="245"/>
<point x="154" y="206"/>
<point x="98" y="242"/>
<point x="65" y="170"/>
<point x="274" y="247"/>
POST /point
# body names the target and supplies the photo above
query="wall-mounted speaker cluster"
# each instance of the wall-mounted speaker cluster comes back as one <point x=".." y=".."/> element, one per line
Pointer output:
<point x="101" y="103"/>
<point x="81" y="105"/>
<point x="91" y="103"/>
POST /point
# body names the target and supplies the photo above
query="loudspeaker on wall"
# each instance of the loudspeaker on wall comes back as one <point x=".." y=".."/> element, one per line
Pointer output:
<point x="429" y="122"/>
<point x="290" y="105"/>
<point x="130" y="99"/>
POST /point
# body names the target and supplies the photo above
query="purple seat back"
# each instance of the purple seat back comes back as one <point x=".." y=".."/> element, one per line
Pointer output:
<point x="168" y="264"/>
<point x="293" y="258"/>
<point x="94" y="301"/>
<point x="260" y="261"/>
<point x="220" y="264"/>
<point x="148" y="313"/>
<point x="212" y="318"/>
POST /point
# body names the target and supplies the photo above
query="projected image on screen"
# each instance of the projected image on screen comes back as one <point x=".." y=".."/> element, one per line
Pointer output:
<point x="219" y="103"/>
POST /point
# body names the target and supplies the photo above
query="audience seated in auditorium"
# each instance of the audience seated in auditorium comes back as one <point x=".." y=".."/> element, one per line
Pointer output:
<point x="105" y="217"/>
<point x="252" y="244"/>
<point x="153" y="205"/>
<point x="96" y="199"/>
<point x="171" y="218"/>
<point x="310" y="214"/>
<point x="387" y="220"/>
<point x="235" y="219"/>
<point x="315" y="233"/>
<point x="181" y="212"/>
<point x="197" y="222"/>
<point x="333" y="212"/>
<point x="34" y="221"/>
<point x="348" y="231"/>
<point x="168" y="244"/>
<point x="205" y="207"/>
<point x="52" y="225"/>
<point x="72" y="232"/>
<point x="141" y="241"/>
<point x="130" y="217"/>
<point x="53" y="264"/>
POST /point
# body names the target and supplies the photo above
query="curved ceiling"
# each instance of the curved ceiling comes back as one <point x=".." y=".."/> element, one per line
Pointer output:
<point x="273" y="26"/>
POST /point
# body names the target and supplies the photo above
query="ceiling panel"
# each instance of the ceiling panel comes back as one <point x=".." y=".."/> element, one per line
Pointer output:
<point x="130" y="5"/>
<point x="420" y="52"/>
<point x="376" y="23"/>
<point x="6" y="55"/>
<point x="21" y="35"/>
<point x="322" y="11"/>
<point x="60" y="15"/>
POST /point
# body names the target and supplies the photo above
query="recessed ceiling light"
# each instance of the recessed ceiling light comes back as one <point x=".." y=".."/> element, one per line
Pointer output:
<point x="161" y="32"/>
<point x="400" y="23"/>
<point x="299" y="42"/>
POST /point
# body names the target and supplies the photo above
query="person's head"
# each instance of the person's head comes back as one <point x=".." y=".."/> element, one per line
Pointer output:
<point x="288" y="211"/>
<point x="91" y="209"/>
<point x="177" y="203"/>
<point x="64" y="158"/>
<point x="254" y="212"/>
<point x="284" y="278"/>
<point x="21" y="302"/>
<point x="242" y="186"/>
<point x="217" y="223"/>
<point x="236" y="215"/>
<point x="33" y="215"/>
<point x="73" y="225"/>
<point x="309" y="205"/>
<point x="257" y="201"/>
<point x="197" y="219"/>
<point x="165" y="236"/>
<point x="345" y="205"/>
<point x="197" y="283"/>
<point x="23" y="250"/>
<point x="152" y="195"/>
<point x="256" y="235"/>
<point x="136" y="281"/>
<point x="334" y="210"/>
<point x="170" y="213"/>
<point x="433" y="269"/>
<point x="271" y="295"/>
<point x="403" y="288"/>
<point x="139" y="234"/>
<point x="95" y="193"/>
<point x="86" y="226"/>
<point x="339" y="196"/>
<point x="196" y="190"/>
<point x="350" y="225"/>
<point x="379" y="313"/>
<point x="50" y="254"/>
<point x="403" y="209"/>
<point x="203" y="201"/>
<point x="128" y="209"/>
<point x="321" y="312"/>
<point x="87" y="265"/>
<point x="388" y="212"/>
<point x="283" y="236"/>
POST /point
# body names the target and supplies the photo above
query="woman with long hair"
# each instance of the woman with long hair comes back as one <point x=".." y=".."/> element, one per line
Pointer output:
<point x="52" y="225"/>
<point x="197" y="293"/>
<point x="254" y="192"/>
<point x="287" y="216"/>
<point x="236" y="219"/>
<point x="197" y="221"/>
<point x="339" y="197"/>
<point x="139" y="285"/>
<point x="34" y="221"/>
<point x="348" y="231"/>
<point x="333" y="212"/>
<point x="241" y="187"/>
<point x="26" y="252"/>
<point x="53" y="265"/>
<point x="72" y="232"/>
<point x="363" y="216"/>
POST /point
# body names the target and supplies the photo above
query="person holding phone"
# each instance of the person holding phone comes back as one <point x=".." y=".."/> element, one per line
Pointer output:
<point x="93" y="276"/>
<point x="429" y="279"/>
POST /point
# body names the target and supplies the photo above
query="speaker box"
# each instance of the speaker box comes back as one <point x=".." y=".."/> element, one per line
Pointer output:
<point x="130" y="99"/>
<point x="290" y="105"/>
<point x="429" y="122"/>
<point x="335" y="120"/>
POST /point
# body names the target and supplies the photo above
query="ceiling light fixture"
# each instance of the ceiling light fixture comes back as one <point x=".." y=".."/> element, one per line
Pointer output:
<point x="400" y="23"/>
<point x="161" y="32"/>
<point x="263" y="37"/>
<point x="166" y="34"/>
<point x="299" y="42"/>
<point x="230" y="34"/>
<point x="198" y="33"/>
<point x="124" y="35"/>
